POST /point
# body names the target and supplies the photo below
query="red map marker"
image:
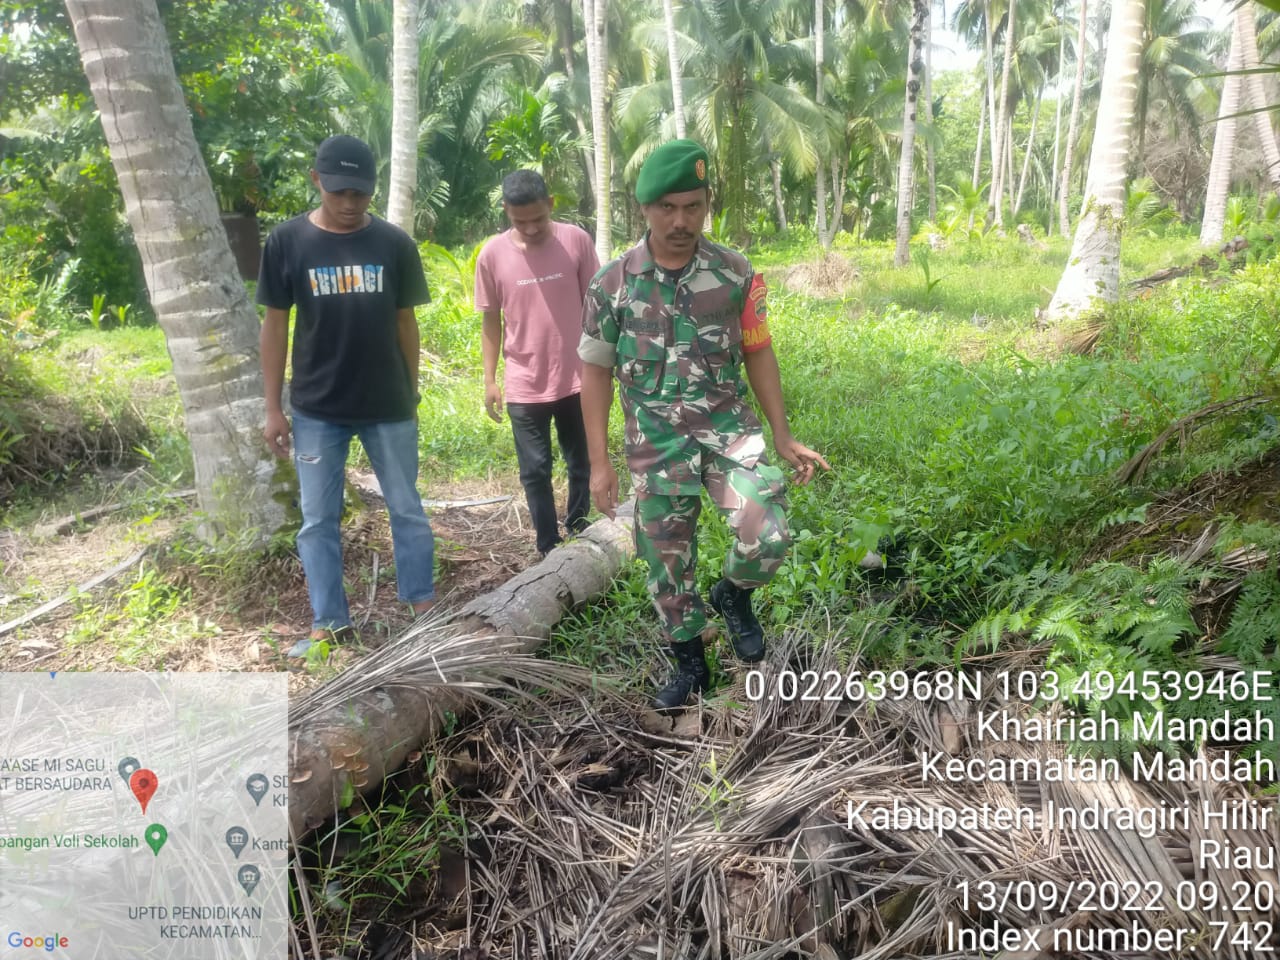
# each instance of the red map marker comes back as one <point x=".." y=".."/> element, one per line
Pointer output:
<point x="143" y="783"/>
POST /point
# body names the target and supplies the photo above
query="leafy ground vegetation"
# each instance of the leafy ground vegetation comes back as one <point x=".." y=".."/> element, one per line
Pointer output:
<point x="1010" y="475"/>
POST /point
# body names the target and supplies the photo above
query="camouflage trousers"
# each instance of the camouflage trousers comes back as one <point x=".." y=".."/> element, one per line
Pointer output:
<point x="753" y="503"/>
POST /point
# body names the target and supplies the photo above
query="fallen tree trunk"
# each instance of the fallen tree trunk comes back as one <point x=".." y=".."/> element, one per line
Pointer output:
<point x="1232" y="250"/>
<point x="349" y="735"/>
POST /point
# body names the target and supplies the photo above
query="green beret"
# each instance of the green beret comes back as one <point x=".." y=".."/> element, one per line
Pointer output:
<point x="676" y="166"/>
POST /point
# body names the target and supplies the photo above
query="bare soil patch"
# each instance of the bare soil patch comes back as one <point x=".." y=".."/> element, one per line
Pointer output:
<point x="231" y="615"/>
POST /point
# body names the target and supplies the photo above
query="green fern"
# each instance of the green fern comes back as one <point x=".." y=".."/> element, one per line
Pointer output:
<point x="1063" y="622"/>
<point x="1255" y="622"/>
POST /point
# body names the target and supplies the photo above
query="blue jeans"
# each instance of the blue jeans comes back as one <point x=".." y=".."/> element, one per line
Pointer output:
<point x="320" y="455"/>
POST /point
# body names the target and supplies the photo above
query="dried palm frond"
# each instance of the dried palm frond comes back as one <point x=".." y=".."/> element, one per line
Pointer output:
<point x="593" y="836"/>
<point x="1137" y="465"/>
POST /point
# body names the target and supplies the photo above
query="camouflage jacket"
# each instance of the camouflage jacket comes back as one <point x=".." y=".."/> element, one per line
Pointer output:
<point x="677" y="352"/>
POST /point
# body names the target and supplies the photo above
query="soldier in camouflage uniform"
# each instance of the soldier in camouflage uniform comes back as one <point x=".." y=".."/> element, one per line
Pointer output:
<point x="677" y="319"/>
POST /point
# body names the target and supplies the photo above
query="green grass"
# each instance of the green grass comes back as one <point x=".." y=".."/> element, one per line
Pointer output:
<point x="975" y="446"/>
<point x="987" y="457"/>
<point x="378" y="861"/>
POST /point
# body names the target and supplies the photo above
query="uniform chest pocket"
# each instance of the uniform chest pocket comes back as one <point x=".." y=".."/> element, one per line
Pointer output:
<point x="641" y="363"/>
<point x="720" y="343"/>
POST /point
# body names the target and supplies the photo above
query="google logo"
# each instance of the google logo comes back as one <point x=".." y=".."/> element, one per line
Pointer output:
<point x="40" y="943"/>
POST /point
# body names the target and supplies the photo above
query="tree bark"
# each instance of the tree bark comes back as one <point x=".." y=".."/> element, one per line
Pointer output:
<point x="1007" y="176"/>
<point x="775" y="171"/>
<point x="595" y="20"/>
<point x="906" y="161"/>
<point x="210" y="327"/>
<point x="673" y="58"/>
<point x="1255" y="96"/>
<point x="1064" y="214"/>
<point x="931" y="160"/>
<point x="820" y="175"/>
<point x="1002" y="109"/>
<point x="1093" y="269"/>
<point x="1026" y="160"/>
<point x="991" y="87"/>
<point x="1224" y="146"/>
<point x="839" y="174"/>
<point x="977" y="155"/>
<point x="1057" y="127"/>
<point x="346" y="738"/>
<point x="563" y="10"/>
<point x="404" y="115"/>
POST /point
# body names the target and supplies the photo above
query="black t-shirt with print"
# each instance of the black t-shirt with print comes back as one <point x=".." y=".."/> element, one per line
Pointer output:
<point x="347" y="363"/>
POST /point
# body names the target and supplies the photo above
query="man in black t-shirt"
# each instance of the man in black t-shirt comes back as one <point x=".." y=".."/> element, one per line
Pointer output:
<point x="353" y="281"/>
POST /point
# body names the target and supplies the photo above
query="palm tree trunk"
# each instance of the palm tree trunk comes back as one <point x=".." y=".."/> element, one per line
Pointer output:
<point x="991" y="85"/>
<point x="838" y="176"/>
<point x="673" y="58"/>
<point x="392" y="704"/>
<point x="1057" y="128"/>
<point x="1007" y="176"/>
<point x="1224" y="146"/>
<point x="1002" y="107"/>
<point x="210" y="328"/>
<point x="775" y="171"/>
<point x="564" y="41"/>
<point x="931" y="160"/>
<point x="1093" y="268"/>
<point x="820" y="201"/>
<point x="595" y="23"/>
<point x="906" y="164"/>
<point x="1255" y="96"/>
<point x="1073" y="126"/>
<point x="1026" y="160"/>
<point x="820" y="175"/>
<point x="977" y="154"/>
<point x="563" y="12"/>
<point x="404" y="115"/>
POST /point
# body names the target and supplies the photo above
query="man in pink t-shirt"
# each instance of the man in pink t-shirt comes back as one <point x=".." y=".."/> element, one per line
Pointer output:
<point x="530" y="284"/>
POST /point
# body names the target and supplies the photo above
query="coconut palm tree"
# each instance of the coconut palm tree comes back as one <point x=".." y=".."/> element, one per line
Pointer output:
<point x="1002" y="133"/>
<point x="1036" y="52"/>
<point x="1255" y="95"/>
<point x="404" y="115"/>
<point x="210" y="327"/>
<point x="1073" y="125"/>
<point x="467" y="60"/>
<point x="1093" y="269"/>
<point x="1057" y="122"/>
<point x="748" y="101"/>
<point x="1224" y="146"/>
<point x="975" y="21"/>
<point x="931" y="158"/>
<point x="1175" y="56"/>
<point x="595" y="23"/>
<point x="825" y="237"/>
<point x="864" y="87"/>
<point x="673" y="60"/>
<point x="906" y="163"/>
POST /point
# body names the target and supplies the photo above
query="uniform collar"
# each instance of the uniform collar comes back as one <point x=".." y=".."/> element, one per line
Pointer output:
<point x="639" y="260"/>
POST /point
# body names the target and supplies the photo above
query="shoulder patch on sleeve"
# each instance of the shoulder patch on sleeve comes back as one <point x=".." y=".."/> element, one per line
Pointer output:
<point x="755" y="317"/>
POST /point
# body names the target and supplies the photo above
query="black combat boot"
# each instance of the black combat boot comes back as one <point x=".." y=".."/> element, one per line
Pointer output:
<point x="691" y="676"/>
<point x="734" y="604"/>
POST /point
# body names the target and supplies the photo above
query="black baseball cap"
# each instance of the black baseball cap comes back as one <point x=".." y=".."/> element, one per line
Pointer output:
<point x="346" y="163"/>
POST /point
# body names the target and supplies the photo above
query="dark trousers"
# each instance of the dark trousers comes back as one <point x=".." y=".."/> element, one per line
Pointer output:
<point x="531" y="425"/>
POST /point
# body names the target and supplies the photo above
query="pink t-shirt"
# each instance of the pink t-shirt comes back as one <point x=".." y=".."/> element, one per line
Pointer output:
<point x="540" y="292"/>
